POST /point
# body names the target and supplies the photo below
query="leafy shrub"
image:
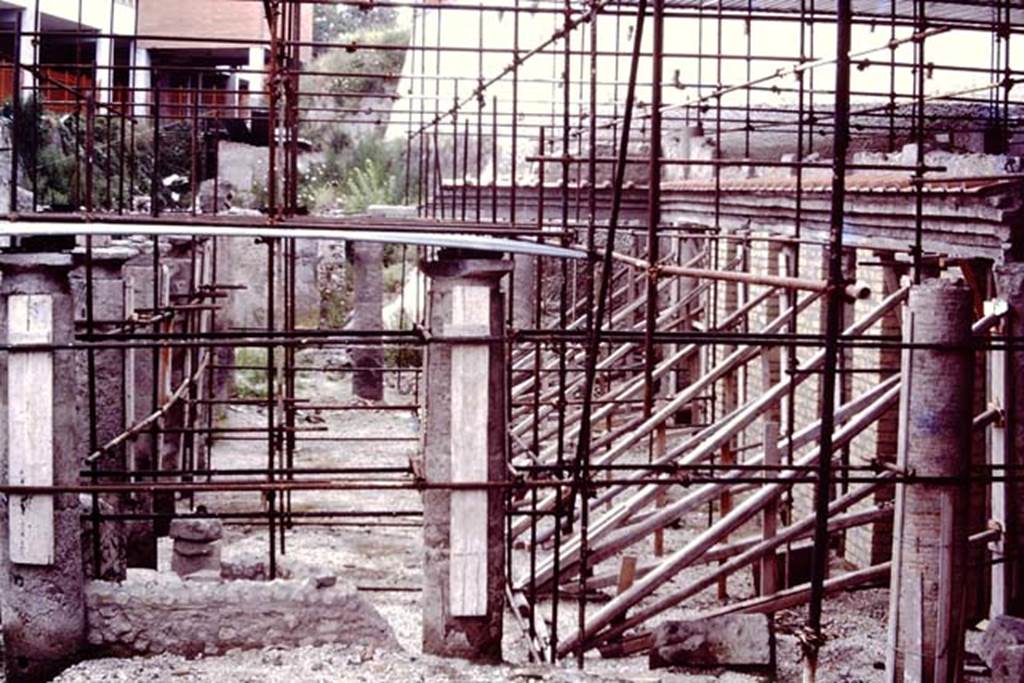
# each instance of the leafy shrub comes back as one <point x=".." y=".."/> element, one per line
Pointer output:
<point x="52" y="150"/>
<point x="250" y="382"/>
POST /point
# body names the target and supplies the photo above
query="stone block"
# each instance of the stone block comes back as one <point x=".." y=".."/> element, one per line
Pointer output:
<point x="205" y="576"/>
<point x="184" y="565"/>
<point x="196" y="529"/>
<point x="325" y="579"/>
<point x="1007" y="664"/>
<point x="1003" y="632"/>
<point x="732" y="641"/>
<point x="193" y="548"/>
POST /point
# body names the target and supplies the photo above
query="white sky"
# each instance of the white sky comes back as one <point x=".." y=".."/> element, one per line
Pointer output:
<point x="774" y="41"/>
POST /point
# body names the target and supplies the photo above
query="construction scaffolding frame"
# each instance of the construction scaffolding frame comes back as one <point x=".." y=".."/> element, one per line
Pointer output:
<point x="648" y="291"/>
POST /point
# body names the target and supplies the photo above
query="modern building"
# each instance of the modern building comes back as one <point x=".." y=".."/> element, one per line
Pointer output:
<point x="66" y="48"/>
<point x="227" y="66"/>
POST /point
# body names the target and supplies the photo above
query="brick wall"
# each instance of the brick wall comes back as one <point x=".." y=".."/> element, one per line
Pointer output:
<point x="865" y="545"/>
<point x="223" y="19"/>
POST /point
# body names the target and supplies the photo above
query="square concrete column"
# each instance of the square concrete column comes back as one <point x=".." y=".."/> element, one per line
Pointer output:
<point x="108" y="301"/>
<point x="177" y="264"/>
<point x="255" y="73"/>
<point x="464" y="441"/>
<point x="41" y="580"/>
<point x="367" y="261"/>
<point x="1008" y="497"/>
<point x="524" y="293"/>
<point x="144" y="368"/>
<point x="108" y="369"/>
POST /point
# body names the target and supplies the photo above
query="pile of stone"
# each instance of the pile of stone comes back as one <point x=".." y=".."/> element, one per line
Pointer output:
<point x="732" y="641"/>
<point x="151" y="613"/>
<point x="1002" y="648"/>
<point x="196" y="546"/>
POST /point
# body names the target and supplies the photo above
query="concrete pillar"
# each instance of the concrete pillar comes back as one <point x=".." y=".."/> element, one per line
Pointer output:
<point x="728" y="304"/>
<point x="689" y="370"/>
<point x="41" y="581"/>
<point x="368" y="300"/>
<point x="464" y="440"/>
<point x="143" y="451"/>
<point x="177" y="264"/>
<point x="524" y="291"/>
<point x="109" y="370"/>
<point x="770" y="357"/>
<point x="926" y="625"/>
<point x="978" y="274"/>
<point x="1009" y="280"/>
<point x="844" y="386"/>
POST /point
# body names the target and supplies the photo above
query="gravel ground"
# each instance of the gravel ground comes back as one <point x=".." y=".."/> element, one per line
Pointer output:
<point x="384" y="562"/>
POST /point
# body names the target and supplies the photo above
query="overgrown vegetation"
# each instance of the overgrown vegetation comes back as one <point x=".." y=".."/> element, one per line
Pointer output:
<point x="359" y="167"/>
<point x="52" y="150"/>
<point x="250" y="377"/>
<point x="331" y="21"/>
<point x="403" y="355"/>
<point x="352" y="177"/>
<point x="336" y="289"/>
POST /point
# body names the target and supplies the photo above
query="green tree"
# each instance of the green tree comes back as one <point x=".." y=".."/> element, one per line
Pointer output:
<point x="331" y="22"/>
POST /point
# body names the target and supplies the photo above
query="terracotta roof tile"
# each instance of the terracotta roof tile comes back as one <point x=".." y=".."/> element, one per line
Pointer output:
<point x="874" y="181"/>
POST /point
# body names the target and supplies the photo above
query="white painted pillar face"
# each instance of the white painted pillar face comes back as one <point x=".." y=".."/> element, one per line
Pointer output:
<point x="42" y="606"/>
<point x="467" y="578"/>
<point x="30" y="428"/>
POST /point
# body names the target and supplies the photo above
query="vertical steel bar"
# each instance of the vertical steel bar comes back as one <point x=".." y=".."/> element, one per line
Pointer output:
<point x="823" y="486"/>
<point x="583" y="440"/>
<point x="16" y="113"/>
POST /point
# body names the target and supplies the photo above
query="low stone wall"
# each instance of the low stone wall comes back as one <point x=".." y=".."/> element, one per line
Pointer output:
<point x="152" y="613"/>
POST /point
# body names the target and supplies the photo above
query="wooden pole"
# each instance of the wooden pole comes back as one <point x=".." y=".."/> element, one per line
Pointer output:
<point x="662" y="497"/>
<point x="1010" y="286"/>
<point x="724" y="508"/>
<point x="702" y="495"/>
<point x="688" y="554"/>
<point x="770" y="516"/>
<point x="1001" y="496"/>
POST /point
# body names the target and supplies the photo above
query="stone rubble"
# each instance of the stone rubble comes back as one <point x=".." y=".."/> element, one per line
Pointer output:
<point x="197" y="546"/>
<point x="152" y="613"/>
<point x="732" y="640"/>
<point x="1002" y="648"/>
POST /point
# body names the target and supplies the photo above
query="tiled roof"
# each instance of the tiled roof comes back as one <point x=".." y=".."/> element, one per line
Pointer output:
<point x="863" y="182"/>
<point x="975" y="11"/>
